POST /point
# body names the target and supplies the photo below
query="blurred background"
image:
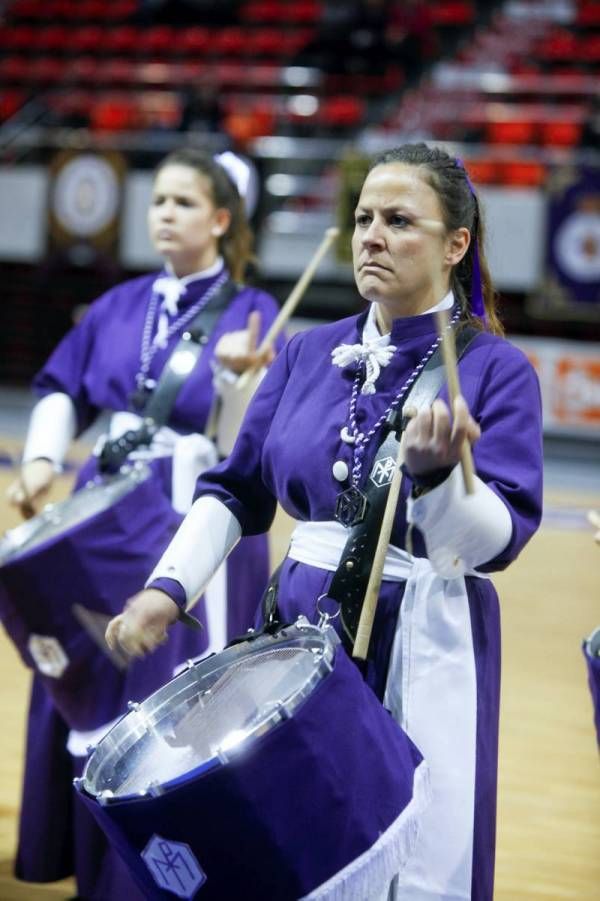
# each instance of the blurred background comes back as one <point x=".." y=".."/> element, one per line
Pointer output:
<point x="94" y="92"/>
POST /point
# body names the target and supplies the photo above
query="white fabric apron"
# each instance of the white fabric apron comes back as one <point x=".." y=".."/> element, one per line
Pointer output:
<point x="431" y="691"/>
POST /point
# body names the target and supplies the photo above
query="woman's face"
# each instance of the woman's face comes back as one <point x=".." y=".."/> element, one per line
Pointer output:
<point x="401" y="250"/>
<point x="184" y="223"/>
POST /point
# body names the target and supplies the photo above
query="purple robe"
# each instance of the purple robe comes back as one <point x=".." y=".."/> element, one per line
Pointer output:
<point x="288" y="443"/>
<point x="592" y="662"/>
<point x="96" y="365"/>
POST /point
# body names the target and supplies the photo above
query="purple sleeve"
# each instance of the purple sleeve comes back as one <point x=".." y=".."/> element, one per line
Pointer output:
<point x="67" y="366"/>
<point x="509" y="454"/>
<point x="173" y="588"/>
<point x="238" y="482"/>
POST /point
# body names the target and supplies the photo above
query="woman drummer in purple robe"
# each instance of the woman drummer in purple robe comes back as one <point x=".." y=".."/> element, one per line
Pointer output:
<point x="311" y="434"/>
<point x="111" y="361"/>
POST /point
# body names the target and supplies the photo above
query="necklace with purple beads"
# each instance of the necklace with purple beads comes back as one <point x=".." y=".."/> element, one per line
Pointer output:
<point x="352" y="498"/>
<point x="150" y="345"/>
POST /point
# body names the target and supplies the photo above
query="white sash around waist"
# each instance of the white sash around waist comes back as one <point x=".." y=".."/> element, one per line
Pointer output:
<point x="321" y="544"/>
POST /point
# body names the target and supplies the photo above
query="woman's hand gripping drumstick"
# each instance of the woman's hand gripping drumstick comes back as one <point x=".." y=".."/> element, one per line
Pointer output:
<point x="457" y="403"/>
<point x="31" y="487"/>
<point x="144" y="623"/>
<point x="239" y="351"/>
<point x="367" y="614"/>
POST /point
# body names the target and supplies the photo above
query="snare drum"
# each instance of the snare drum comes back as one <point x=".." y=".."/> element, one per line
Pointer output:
<point x="268" y="771"/>
<point x="66" y="571"/>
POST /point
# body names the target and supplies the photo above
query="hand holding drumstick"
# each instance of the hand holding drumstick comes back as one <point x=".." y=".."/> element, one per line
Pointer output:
<point x="430" y="442"/>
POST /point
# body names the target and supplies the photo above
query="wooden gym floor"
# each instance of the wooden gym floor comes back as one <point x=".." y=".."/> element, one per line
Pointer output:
<point x="549" y="788"/>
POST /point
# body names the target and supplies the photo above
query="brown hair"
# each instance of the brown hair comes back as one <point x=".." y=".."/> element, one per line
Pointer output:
<point x="460" y="208"/>
<point x="236" y="244"/>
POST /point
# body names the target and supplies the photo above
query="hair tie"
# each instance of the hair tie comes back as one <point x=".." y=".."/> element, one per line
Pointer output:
<point x="477" y="304"/>
<point x="243" y="175"/>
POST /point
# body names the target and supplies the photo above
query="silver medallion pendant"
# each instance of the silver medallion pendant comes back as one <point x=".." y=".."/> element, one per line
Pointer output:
<point x="351" y="506"/>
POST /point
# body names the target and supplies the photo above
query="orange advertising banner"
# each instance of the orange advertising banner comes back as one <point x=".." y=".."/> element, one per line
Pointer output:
<point x="569" y="374"/>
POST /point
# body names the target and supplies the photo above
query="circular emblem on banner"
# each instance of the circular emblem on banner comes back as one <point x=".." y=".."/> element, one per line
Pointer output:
<point x="577" y="246"/>
<point x="572" y="282"/>
<point x="86" y="193"/>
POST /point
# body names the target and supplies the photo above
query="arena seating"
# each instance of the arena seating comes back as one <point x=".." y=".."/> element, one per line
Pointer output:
<point x="49" y="47"/>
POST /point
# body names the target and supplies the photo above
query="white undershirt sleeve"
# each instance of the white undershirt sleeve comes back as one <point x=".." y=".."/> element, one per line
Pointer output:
<point x="461" y="531"/>
<point x="52" y="427"/>
<point x="206" y="536"/>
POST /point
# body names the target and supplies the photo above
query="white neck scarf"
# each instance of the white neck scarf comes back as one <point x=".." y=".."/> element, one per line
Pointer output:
<point x="375" y="351"/>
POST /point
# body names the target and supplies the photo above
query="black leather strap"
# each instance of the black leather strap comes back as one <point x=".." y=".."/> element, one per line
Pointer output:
<point x="176" y="371"/>
<point x="350" y="580"/>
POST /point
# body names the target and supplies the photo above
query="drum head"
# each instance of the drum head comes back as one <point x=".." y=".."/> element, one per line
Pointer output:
<point x="56" y="519"/>
<point x="210" y="713"/>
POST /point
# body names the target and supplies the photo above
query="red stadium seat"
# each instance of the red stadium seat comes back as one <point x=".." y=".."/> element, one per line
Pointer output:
<point x="522" y="174"/>
<point x="560" y="133"/>
<point x="452" y="12"/>
<point x="518" y="131"/>
<point x="228" y="42"/>
<point x="121" y="40"/>
<point x="158" y="41"/>
<point x="196" y="41"/>
<point x="342" y="112"/>
<point x="589" y="49"/>
<point x="305" y="11"/>
<point x="53" y="39"/>
<point x="112" y="112"/>
<point x="14" y="69"/>
<point x="560" y="45"/>
<point x="22" y="37"/>
<point x="87" y="39"/>
<point x="10" y="102"/>
<point x="589" y="13"/>
<point x="261" y="11"/>
<point x="483" y="171"/>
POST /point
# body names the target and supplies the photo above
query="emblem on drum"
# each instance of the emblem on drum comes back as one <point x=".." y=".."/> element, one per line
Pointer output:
<point x="48" y="655"/>
<point x="173" y="866"/>
<point x="383" y="472"/>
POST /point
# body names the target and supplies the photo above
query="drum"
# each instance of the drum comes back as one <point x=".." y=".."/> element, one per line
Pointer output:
<point x="268" y="771"/>
<point x="66" y="571"/>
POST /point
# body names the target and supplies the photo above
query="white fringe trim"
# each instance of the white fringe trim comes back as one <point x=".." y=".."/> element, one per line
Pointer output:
<point x="369" y="876"/>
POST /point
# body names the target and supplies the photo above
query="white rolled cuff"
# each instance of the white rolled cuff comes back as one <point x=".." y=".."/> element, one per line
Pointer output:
<point x="461" y="531"/>
<point x="206" y="536"/>
<point x="52" y="427"/>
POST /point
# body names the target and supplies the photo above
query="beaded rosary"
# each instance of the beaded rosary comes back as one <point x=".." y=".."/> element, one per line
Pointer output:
<point x="149" y="345"/>
<point x="350" y="433"/>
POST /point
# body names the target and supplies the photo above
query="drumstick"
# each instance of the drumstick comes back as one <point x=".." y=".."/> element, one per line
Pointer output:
<point x="293" y="300"/>
<point x="367" y="614"/>
<point x="27" y="508"/>
<point x="449" y="356"/>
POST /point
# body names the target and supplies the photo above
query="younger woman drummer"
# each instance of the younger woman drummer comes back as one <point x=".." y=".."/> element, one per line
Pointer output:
<point x="311" y="435"/>
<point x="111" y="361"/>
